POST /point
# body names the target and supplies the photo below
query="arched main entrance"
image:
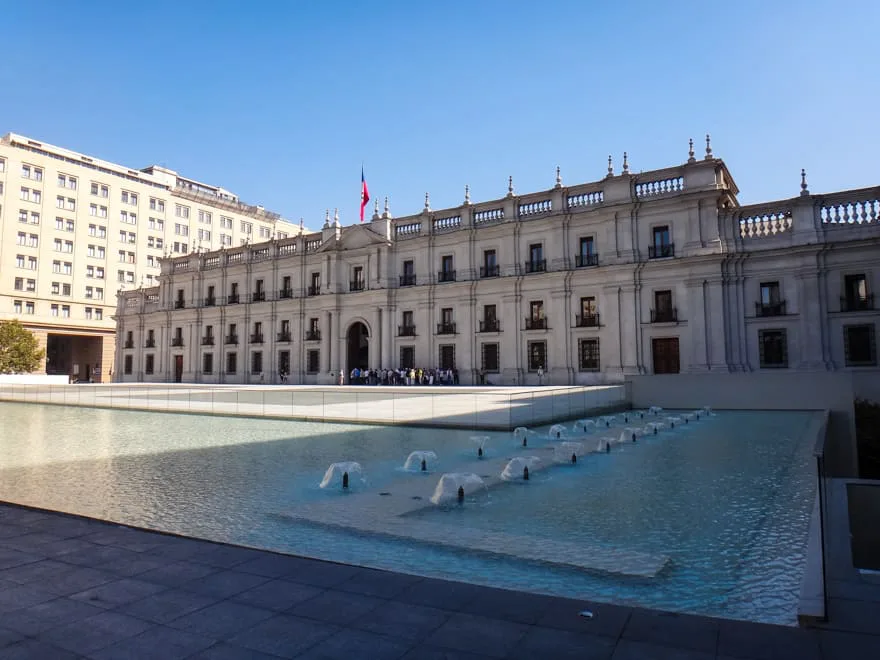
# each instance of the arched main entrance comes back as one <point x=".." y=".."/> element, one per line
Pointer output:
<point x="358" y="347"/>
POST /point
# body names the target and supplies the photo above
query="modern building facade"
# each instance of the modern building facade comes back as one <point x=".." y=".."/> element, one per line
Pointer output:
<point x="75" y="229"/>
<point x="656" y="272"/>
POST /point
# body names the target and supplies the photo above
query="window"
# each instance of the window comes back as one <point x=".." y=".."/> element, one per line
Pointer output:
<point x="225" y="222"/>
<point x="99" y="314"/>
<point x="407" y="357"/>
<point x="408" y="319"/>
<point x="126" y="365"/>
<point x="447" y="270"/>
<point x="67" y="181"/>
<point x="19" y="261"/>
<point x="56" y="288"/>
<point x="22" y="238"/>
<point x="660" y="246"/>
<point x="32" y="263"/>
<point x="68" y="268"/>
<point x="265" y="232"/>
<point x="357" y="278"/>
<point x="225" y="239"/>
<point x="16" y="306"/>
<point x="773" y="349"/>
<point x="181" y="229"/>
<point x="33" y="240"/>
<point x="446" y="356"/>
<point x="30" y="285"/>
<point x="587" y="316"/>
<point x="88" y="313"/>
<point x="490" y="263"/>
<point x="315" y="287"/>
<point x="205" y="217"/>
<point x="19" y="284"/>
<point x="99" y="273"/>
<point x="65" y="289"/>
<point x="156" y="223"/>
<point x="65" y="311"/>
<point x="859" y="345"/>
<point x="313" y="361"/>
<point x="35" y="218"/>
<point x="99" y="292"/>
<point x="537" y="355"/>
<point x="257" y="362"/>
<point x="536" y="312"/>
<point x="181" y="211"/>
<point x="588" y="354"/>
<point x="409" y="273"/>
<point x="247" y="227"/>
<point x="856" y="297"/>
<point x="22" y="216"/>
<point x="157" y="205"/>
<point x="90" y="292"/>
<point x="490" y="358"/>
<point x="149" y="361"/>
<point x="663" y="311"/>
<point x="769" y="293"/>
<point x="231" y="363"/>
<point x="586" y="255"/>
<point x="536" y="263"/>
<point x="208" y="363"/>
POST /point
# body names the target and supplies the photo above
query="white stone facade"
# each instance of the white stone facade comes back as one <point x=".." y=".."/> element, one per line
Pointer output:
<point x="656" y="272"/>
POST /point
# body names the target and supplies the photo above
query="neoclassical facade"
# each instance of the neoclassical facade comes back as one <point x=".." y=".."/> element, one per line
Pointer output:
<point x="656" y="272"/>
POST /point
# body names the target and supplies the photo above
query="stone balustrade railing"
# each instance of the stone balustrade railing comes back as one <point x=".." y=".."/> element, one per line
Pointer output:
<point x="535" y="208"/>
<point x="853" y="207"/>
<point x="408" y="230"/>
<point x="485" y="216"/>
<point x="665" y="186"/>
<point x="760" y="222"/>
<point x="578" y="200"/>
<point x="313" y="244"/>
<point x="446" y="224"/>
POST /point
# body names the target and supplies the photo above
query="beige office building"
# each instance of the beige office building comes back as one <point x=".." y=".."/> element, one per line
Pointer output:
<point x="74" y="230"/>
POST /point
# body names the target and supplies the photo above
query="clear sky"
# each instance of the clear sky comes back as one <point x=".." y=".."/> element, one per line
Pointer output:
<point x="281" y="102"/>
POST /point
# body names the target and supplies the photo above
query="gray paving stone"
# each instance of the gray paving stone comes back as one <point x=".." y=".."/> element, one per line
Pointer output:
<point x="130" y="567"/>
<point x="66" y="527"/>
<point x="347" y="644"/>
<point x="97" y="556"/>
<point x="167" y="605"/>
<point x="273" y="566"/>
<point x="95" y="632"/>
<point x="278" y="595"/>
<point x="33" y="649"/>
<point x="284" y="635"/>
<point x="8" y="637"/>
<point x="452" y="596"/>
<point x="120" y="592"/>
<point x="224" y="651"/>
<point x="562" y="645"/>
<point x="852" y="616"/>
<point x="77" y="579"/>
<point x="221" y="620"/>
<point x="746" y="640"/>
<point x="412" y="623"/>
<point x="64" y="547"/>
<point x="29" y="542"/>
<point x="423" y="652"/>
<point x="322" y="574"/>
<point x="847" y="645"/>
<point x="176" y="573"/>
<point x="10" y="558"/>
<point x="564" y="614"/>
<point x="226" y="556"/>
<point x="39" y="618"/>
<point x="478" y="634"/>
<point x="671" y="629"/>
<point x="175" y="548"/>
<point x="509" y="605"/>
<point x="381" y="584"/>
<point x="159" y="643"/>
<point x="44" y="570"/>
<point x="11" y="530"/>
<point x="223" y="584"/>
<point x="22" y="596"/>
<point x="126" y="538"/>
<point x="337" y="607"/>
<point x="20" y="516"/>
<point x="628" y="649"/>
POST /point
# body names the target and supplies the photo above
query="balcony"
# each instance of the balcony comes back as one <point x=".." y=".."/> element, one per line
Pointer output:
<point x="284" y="337"/>
<point x="258" y="296"/>
<point x="770" y="309"/>
<point x="285" y="293"/>
<point x="356" y="285"/>
<point x="232" y="299"/>
<point x="208" y="340"/>
<point x="489" y="271"/>
<point x="408" y="280"/>
<point x="539" y="266"/>
<point x="257" y="338"/>
<point x="406" y="331"/>
<point x="664" y="315"/>
<point x="492" y="325"/>
<point x="314" y="290"/>
<point x="129" y="343"/>
<point x="536" y="324"/>
<point x="177" y="341"/>
<point x="179" y="304"/>
<point x="584" y="260"/>
<point x="857" y="303"/>
<point x="210" y="301"/>
<point x="313" y="335"/>
<point x="661" y="251"/>
<point x="446" y="276"/>
<point x="231" y="339"/>
<point x="446" y="328"/>
<point x="150" y="343"/>
<point x="586" y="320"/>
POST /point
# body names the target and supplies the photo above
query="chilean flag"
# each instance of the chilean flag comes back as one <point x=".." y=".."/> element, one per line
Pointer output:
<point x="365" y="194"/>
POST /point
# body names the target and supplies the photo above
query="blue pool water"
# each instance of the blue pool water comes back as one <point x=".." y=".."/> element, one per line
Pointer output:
<point x="727" y="498"/>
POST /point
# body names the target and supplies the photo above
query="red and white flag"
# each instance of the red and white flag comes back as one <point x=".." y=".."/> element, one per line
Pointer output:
<point x="365" y="194"/>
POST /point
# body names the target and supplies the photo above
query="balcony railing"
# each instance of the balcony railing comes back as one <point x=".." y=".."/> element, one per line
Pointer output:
<point x="177" y="341"/>
<point x="770" y="309"/>
<point x="664" y="315"/>
<point x="313" y="335"/>
<point x="538" y="266"/>
<point x="284" y="337"/>
<point x="257" y="338"/>
<point x="314" y="290"/>
<point x="231" y="339"/>
<point x="583" y="260"/>
<point x="446" y="328"/>
<point x="587" y="320"/>
<point x="446" y="276"/>
<point x="356" y="285"/>
<point x="179" y="304"/>
<point x="490" y="271"/>
<point x="857" y="303"/>
<point x="406" y="331"/>
<point x="258" y="296"/>
<point x="536" y="324"/>
<point x="232" y="299"/>
<point x="408" y="280"/>
<point x="285" y="293"/>
<point x="210" y="301"/>
<point x="661" y="251"/>
<point x="491" y="325"/>
<point x="129" y="343"/>
<point x="208" y="340"/>
<point x="150" y="343"/>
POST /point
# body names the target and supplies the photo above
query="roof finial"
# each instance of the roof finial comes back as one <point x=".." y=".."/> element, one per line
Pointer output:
<point x="691" y="158"/>
<point x="327" y="219"/>
<point x="804" y="190"/>
<point x="610" y="166"/>
<point x="558" y="177"/>
<point x="301" y="228"/>
<point x="510" y="186"/>
<point x="708" y="147"/>
<point x="376" y="210"/>
<point x="467" y="194"/>
<point x="625" y="164"/>
<point x="336" y="217"/>
<point x="386" y="213"/>
<point x="427" y="202"/>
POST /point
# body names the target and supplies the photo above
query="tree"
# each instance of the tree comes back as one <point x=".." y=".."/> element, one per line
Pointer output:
<point x="20" y="352"/>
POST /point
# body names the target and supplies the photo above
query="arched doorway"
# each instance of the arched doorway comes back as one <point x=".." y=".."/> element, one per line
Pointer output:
<point x="358" y="347"/>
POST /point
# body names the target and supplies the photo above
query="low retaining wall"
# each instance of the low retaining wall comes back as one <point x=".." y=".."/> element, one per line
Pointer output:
<point x="33" y="379"/>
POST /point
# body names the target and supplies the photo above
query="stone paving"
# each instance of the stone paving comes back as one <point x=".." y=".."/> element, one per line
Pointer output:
<point x="78" y="588"/>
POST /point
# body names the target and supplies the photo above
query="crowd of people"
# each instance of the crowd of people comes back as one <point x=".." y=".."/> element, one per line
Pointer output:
<point x="417" y="376"/>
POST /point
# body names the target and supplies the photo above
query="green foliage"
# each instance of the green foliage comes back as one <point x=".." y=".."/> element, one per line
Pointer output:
<point x="868" y="438"/>
<point x="20" y="352"/>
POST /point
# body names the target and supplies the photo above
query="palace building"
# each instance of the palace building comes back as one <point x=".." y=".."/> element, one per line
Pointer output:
<point x="653" y="272"/>
<point x="73" y="229"/>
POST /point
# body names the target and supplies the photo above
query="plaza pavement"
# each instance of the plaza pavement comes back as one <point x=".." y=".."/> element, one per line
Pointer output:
<point x="77" y="588"/>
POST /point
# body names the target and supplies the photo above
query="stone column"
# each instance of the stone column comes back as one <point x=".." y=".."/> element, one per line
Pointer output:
<point x="808" y="343"/>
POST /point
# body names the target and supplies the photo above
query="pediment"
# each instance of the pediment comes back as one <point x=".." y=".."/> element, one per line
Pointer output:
<point x="354" y="238"/>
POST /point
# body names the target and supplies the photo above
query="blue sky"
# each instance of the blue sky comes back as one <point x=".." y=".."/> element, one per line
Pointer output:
<point x="281" y="102"/>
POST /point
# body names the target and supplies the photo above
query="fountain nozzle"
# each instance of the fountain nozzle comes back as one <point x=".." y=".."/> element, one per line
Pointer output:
<point x="525" y="441"/>
<point x="460" y="494"/>
<point x="607" y="447"/>
<point x="345" y="479"/>
<point x="574" y="458"/>
<point x="424" y="465"/>
<point x="480" y="452"/>
<point x="526" y="473"/>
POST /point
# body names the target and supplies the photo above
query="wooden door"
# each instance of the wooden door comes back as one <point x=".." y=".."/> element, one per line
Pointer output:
<point x="666" y="355"/>
<point x="178" y="368"/>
